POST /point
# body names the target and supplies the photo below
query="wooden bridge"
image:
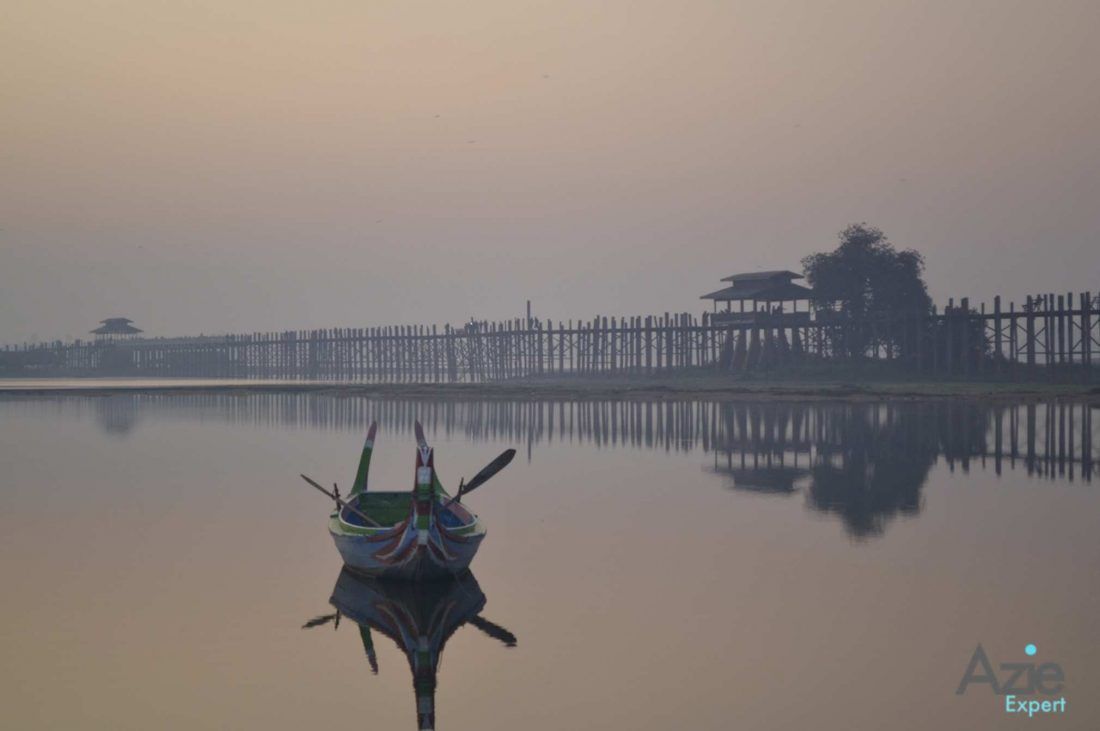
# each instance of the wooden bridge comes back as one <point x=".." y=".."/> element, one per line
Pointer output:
<point x="1048" y="336"/>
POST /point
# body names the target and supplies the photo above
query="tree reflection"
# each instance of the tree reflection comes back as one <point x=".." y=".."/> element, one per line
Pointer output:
<point x="866" y="463"/>
<point x="873" y="467"/>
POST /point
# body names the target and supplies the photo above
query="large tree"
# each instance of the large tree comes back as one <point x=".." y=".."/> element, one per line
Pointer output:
<point x="864" y="277"/>
<point x="867" y="274"/>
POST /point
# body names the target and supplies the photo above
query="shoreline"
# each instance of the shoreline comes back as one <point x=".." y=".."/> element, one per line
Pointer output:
<point x="594" y="389"/>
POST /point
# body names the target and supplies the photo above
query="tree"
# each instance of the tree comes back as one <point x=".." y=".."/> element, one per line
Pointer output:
<point x="867" y="278"/>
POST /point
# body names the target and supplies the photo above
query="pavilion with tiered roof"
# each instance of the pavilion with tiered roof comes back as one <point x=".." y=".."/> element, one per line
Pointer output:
<point x="772" y="288"/>
<point x="116" y="328"/>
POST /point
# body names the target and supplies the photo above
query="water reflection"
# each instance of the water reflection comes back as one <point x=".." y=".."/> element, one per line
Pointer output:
<point x="865" y="463"/>
<point x="875" y="468"/>
<point x="145" y="529"/>
<point x="1053" y="439"/>
<point x="419" y="618"/>
<point x="116" y="415"/>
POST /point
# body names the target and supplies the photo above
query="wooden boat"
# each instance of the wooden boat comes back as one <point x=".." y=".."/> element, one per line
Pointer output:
<point x="421" y="535"/>
<point x="419" y="618"/>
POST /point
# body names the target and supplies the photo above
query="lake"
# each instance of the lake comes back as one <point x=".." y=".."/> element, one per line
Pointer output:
<point x="674" y="564"/>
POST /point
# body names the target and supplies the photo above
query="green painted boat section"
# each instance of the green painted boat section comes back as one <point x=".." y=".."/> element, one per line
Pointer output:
<point x="359" y="484"/>
<point x="386" y="508"/>
<point x="389" y="509"/>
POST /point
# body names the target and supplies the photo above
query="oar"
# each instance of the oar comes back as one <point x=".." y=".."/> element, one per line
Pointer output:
<point x="486" y="472"/>
<point x="368" y="647"/>
<point x="318" y="621"/>
<point x="493" y="630"/>
<point x="341" y="503"/>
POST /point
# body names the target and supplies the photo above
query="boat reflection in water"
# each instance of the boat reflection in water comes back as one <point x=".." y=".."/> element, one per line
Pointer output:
<point x="419" y="617"/>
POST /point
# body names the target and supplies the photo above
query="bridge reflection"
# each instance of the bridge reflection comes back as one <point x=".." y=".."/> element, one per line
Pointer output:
<point x="864" y="462"/>
<point x="760" y="446"/>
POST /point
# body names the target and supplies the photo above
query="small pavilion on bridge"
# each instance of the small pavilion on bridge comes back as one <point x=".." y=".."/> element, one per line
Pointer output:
<point x="772" y="288"/>
<point x="116" y="328"/>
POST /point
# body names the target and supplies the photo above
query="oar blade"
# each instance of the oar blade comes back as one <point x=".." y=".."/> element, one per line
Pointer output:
<point x="318" y="621"/>
<point x="489" y="470"/>
<point x="494" y="630"/>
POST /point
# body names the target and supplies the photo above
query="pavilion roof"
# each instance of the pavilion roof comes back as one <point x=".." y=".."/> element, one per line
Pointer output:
<point x="762" y="291"/>
<point x="774" y="274"/>
<point x="764" y="479"/>
<point x="116" y="326"/>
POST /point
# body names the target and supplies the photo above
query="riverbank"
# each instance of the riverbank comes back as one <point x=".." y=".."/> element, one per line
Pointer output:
<point x="559" y="389"/>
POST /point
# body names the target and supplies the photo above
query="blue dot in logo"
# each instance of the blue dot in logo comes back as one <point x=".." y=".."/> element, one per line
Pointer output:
<point x="1031" y="649"/>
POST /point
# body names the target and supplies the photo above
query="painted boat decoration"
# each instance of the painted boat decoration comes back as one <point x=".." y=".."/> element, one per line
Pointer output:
<point x="422" y="535"/>
<point x="419" y="618"/>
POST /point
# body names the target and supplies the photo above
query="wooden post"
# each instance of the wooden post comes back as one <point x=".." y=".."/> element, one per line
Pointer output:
<point x="1050" y="331"/>
<point x="574" y="346"/>
<point x="982" y="341"/>
<point x="670" y="347"/>
<point x="393" y="353"/>
<point x="612" y="346"/>
<point x="1086" y="335"/>
<point x="638" y="342"/>
<point x="601" y="324"/>
<point x="966" y="345"/>
<point x="550" y="346"/>
<point x="408" y="362"/>
<point x="688" y="330"/>
<point x="1061" y="319"/>
<point x="381" y="356"/>
<point x="368" y="354"/>
<point x="997" y="354"/>
<point x="403" y="359"/>
<point x="949" y="319"/>
<point x="1029" y="334"/>
<point x="585" y="354"/>
<point x="385" y="353"/>
<point x="561" y="348"/>
<point x="1013" y="345"/>
<point x="648" y="344"/>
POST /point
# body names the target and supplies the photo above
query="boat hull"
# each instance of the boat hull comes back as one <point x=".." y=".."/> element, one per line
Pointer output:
<point x="419" y="535"/>
<point x="404" y="556"/>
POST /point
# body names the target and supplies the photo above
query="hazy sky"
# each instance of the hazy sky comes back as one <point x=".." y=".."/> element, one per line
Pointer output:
<point x="238" y="166"/>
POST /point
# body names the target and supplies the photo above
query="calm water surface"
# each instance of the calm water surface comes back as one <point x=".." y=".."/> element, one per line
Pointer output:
<point x="648" y="566"/>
